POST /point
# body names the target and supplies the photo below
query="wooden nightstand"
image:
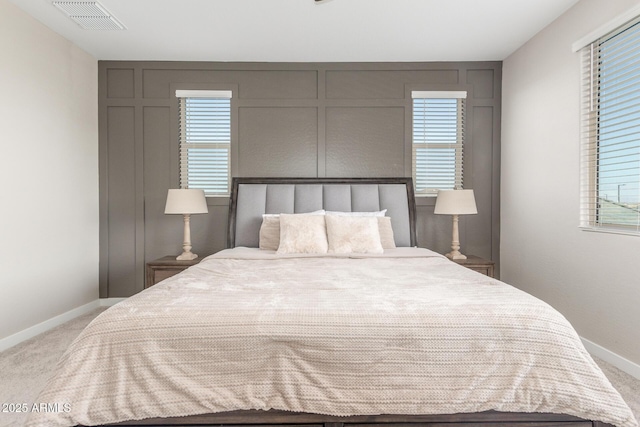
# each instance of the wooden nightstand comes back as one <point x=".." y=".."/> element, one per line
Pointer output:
<point x="165" y="267"/>
<point x="478" y="264"/>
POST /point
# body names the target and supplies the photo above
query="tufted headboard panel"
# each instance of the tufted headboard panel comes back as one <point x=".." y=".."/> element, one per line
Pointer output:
<point x="252" y="197"/>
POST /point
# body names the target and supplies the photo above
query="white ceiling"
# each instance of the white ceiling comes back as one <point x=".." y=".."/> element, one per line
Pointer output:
<point x="305" y="31"/>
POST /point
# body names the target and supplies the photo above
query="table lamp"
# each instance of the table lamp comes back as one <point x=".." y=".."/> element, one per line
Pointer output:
<point x="186" y="202"/>
<point x="455" y="202"/>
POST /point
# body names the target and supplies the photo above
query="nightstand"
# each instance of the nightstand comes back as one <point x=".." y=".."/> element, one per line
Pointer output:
<point x="478" y="264"/>
<point x="165" y="267"/>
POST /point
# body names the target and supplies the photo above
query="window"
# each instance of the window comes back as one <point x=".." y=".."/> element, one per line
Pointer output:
<point x="438" y="136"/>
<point x="205" y="140"/>
<point x="610" y="132"/>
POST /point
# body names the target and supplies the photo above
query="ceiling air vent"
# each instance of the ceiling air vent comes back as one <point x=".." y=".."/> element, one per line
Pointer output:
<point x="90" y="15"/>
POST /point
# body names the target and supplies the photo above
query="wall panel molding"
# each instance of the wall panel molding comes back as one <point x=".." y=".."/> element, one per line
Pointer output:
<point x="311" y="119"/>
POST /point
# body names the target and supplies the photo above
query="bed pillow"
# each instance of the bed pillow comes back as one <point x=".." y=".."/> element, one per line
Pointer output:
<point x="386" y="232"/>
<point x="384" y="225"/>
<point x="349" y="234"/>
<point x="302" y="233"/>
<point x="270" y="230"/>
<point x="374" y="213"/>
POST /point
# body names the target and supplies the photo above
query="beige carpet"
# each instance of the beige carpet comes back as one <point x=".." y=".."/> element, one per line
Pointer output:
<point x="25" y="368"/>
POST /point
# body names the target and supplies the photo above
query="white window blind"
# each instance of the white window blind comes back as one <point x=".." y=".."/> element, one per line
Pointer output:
<point x="610" y="132"/>
<point x="205" y="140"/>
<point x="438" y="137"/>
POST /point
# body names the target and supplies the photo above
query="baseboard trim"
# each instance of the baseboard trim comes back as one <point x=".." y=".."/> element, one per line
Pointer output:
<point x="109" y="302"/>
<point x="31" y="332"/>
<point x="18" y="337"/>
<point x="612" y="358"/>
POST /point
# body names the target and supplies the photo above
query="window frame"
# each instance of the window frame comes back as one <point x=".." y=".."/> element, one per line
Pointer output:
<point x="208" y="92"/>
<point x="592" y="146"/>
<point x="462" y="96"/>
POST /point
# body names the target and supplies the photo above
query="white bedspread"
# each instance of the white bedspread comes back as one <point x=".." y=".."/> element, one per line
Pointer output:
<point x="405" y="333"/>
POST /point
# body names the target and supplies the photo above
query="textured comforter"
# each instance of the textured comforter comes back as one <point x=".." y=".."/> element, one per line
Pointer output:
<point x="405" y="333"/>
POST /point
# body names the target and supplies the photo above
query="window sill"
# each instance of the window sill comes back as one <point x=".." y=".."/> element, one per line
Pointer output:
<point x="611" y="231"/>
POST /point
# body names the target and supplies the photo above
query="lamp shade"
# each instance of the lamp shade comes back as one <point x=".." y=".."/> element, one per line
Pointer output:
<point x="455" y="202"/>
<point x="186" y="201"/>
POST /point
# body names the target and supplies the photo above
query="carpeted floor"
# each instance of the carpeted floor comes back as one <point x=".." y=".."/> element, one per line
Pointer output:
<point x="25" y="368"/>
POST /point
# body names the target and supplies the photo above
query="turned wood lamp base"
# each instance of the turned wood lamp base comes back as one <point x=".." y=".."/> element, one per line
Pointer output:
<point x="455" y="244"/>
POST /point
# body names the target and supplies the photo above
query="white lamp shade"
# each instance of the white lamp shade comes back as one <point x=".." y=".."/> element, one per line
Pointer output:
<point x="186" y="201"/>
<point x="455" y="202"/>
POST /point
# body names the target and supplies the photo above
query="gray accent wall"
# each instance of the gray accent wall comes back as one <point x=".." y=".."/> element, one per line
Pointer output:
<point x="288" y="119"/>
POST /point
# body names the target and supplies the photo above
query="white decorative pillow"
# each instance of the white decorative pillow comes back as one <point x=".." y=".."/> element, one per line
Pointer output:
<point x="270" y="230"/>
<point x="387" y="239"/>
<point x="374" y="213"/>
<point x="384" y="225"/>
<point x="302" y="233"/>
<point x="349" y="234"/>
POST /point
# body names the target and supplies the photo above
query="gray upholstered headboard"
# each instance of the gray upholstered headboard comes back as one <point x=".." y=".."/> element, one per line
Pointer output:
<point x="252" y="197"/>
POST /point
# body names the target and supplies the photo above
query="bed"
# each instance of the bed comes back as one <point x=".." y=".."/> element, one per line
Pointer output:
<point x="356" y="338"/>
